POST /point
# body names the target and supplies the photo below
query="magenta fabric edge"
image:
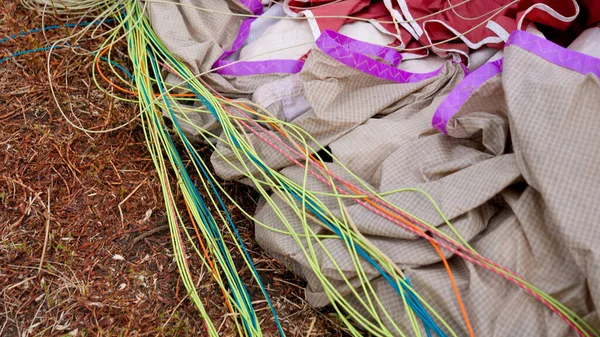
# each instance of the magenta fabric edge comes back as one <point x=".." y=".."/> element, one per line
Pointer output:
<point x="255" y="6"/>
<point x="387" y="54"/>
<point x="459" y="95"/>
<point x="541" y="47"/>
<point x="329" y="43"/>
<point x="554" y="53"/>
<point x="240" y="38"/>
<point x="248" y="68"/>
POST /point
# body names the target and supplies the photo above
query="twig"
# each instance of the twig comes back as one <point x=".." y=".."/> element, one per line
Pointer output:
<point x="63" y="179"/>
<point x="180" y="302"/>
<point x="287" y="282"/>
<point x="12" y="59"/>
<point x="312" y="325"/>
<point x="150" y="232"/>
<point x="46" y="214"/>
<point x="127" y="198"/>
<point x="47" y="233"/>
<point x="174" y="310"/>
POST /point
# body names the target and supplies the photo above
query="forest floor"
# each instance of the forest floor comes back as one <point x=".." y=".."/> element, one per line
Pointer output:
<point x="85" y="249"/>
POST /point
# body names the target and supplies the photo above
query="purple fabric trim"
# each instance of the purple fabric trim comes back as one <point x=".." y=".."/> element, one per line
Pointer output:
<point x="260" y="67"/>
<point x="247" y="68"/>
<point x="385" y="53"/>
<point x="255" y="6"/>
<point x="554" y="53"/>
<point x="459" y="95"/>
<point x="466" y="70"/>
<point x="541" y="47"/>
<point x="342" y="48"/>
<point x="238" y="42"/>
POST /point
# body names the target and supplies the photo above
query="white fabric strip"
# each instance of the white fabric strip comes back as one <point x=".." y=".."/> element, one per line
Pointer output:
<point x="550" y="11"/>
<point x="498" y="30"/>
<point x="314" y="26"/>
<point x="400" y="18"/>
<point x="409" y="17"/>
<point x="380" y="28"/>
<point x="469" y="43"/>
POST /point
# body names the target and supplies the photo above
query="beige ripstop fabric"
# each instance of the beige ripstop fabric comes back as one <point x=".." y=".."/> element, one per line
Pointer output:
<point x="517" y="173"/>
<point x="513" y="175"/>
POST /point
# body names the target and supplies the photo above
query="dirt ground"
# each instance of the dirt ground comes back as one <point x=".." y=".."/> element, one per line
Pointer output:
<point x="84" y="245"/>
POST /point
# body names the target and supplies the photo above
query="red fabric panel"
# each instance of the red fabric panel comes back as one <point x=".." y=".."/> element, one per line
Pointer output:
<point x="461" y="18"/>
<point x="590" y="11"/>
<point x="331" y="8"/>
